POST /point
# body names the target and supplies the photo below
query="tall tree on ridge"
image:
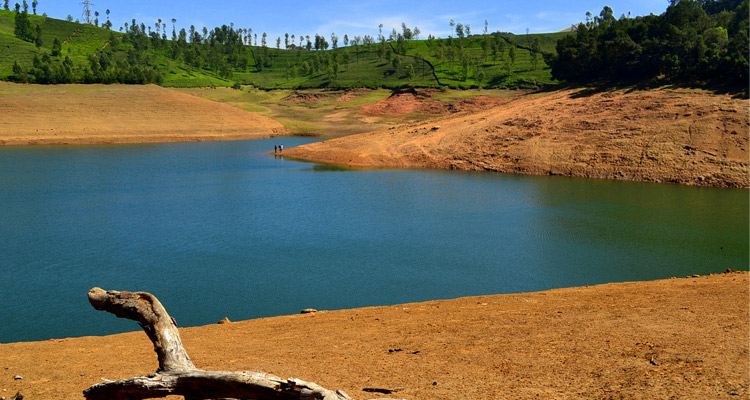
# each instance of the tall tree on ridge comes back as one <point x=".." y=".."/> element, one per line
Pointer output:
<point x="56" y="48"/>
<point x="460" y="30"/>
<point x="23" y="29"/>
<point x="38" y="36"/>
<point x="355" y="42"/>
<point x="535" y="51"/>
<point x="486" y="44"/>
<point x="108" y="23"/>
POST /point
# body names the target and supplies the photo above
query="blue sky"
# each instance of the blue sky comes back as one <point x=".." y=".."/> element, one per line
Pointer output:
<point x="353" y="17"/>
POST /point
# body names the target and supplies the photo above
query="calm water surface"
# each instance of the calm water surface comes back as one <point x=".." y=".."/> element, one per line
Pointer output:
<point x="224" y="229"/>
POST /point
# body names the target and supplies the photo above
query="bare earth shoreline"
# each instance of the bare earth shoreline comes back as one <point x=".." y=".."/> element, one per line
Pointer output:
<point x="674" y="136"/>
<point x="681" y="338"/>
<point x="109" y="114"/>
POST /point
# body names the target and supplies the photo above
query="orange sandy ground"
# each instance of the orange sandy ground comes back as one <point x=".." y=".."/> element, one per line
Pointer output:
<point x="677" y="136"/>
<point x="99" y="114"/>
<point x="681" y="338"/>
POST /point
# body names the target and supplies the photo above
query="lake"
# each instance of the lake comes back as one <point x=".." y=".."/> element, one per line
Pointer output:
<point x="223" y="229"/>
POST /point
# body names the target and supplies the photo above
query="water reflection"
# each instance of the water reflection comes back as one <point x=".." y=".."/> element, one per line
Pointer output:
<point x="330" y="168"/>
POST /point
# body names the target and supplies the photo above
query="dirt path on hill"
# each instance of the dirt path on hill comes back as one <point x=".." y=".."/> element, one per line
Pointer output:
<point x="98" y="114"/>
<point x="679" y="339"/>
<point x="673" y="136"/>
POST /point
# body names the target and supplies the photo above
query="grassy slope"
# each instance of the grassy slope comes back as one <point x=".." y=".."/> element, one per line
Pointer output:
<point x="367" y="69"/>
<point x="78" y="42"/>
<point x="12" y="49"/>
<point x="522" y="71"/>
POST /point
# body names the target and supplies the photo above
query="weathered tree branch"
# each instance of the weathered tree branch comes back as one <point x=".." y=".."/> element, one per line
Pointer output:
<point x="153" y="318"/>
<point x="176" y="374"/>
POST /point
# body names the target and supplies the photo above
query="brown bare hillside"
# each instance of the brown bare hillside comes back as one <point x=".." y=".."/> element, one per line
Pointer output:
<point x="93" y="114"/>
<point x="409" y="101"/>
<point x="671" y="339"/>
<point x="659" y="136"/>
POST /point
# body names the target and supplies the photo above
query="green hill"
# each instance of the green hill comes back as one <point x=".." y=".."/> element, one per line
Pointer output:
<point x="81" y="41"/>
<point x="90" y="54"/>
<point x="693" y="43"/>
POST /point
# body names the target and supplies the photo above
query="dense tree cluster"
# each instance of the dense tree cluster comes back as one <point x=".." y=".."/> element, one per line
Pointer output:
<point x="24" y="30"/>
<point x="110" y="65"/>
<point x="694" y="41"/>
<point x="456" y="52"/>
<point x="221" y="50"/>
<point x="115" y="66"/>
<point x="105" y="67"/>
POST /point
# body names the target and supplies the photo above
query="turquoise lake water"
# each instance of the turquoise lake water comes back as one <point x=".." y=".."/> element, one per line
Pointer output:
<point x="223" y="229"/>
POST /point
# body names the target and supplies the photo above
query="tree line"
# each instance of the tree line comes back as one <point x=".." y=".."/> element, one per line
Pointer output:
<point x="23" y="28"/>
<point x="52" y="68"/>
<point x="694" y="41"/>
<point x="227" y="50"/>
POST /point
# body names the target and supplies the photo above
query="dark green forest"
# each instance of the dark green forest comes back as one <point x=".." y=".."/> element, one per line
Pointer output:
<point x="695" y="42"/>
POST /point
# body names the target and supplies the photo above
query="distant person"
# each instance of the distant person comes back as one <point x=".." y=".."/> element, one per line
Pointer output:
<point x="281" y="148"/>
<point x="275" y="149"/>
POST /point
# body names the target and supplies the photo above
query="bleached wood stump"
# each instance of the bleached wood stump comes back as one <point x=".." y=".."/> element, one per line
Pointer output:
<point x="176" y="374"/>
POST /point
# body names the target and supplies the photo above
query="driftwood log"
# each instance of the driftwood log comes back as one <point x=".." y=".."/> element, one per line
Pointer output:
<point x="176" y="374"/>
